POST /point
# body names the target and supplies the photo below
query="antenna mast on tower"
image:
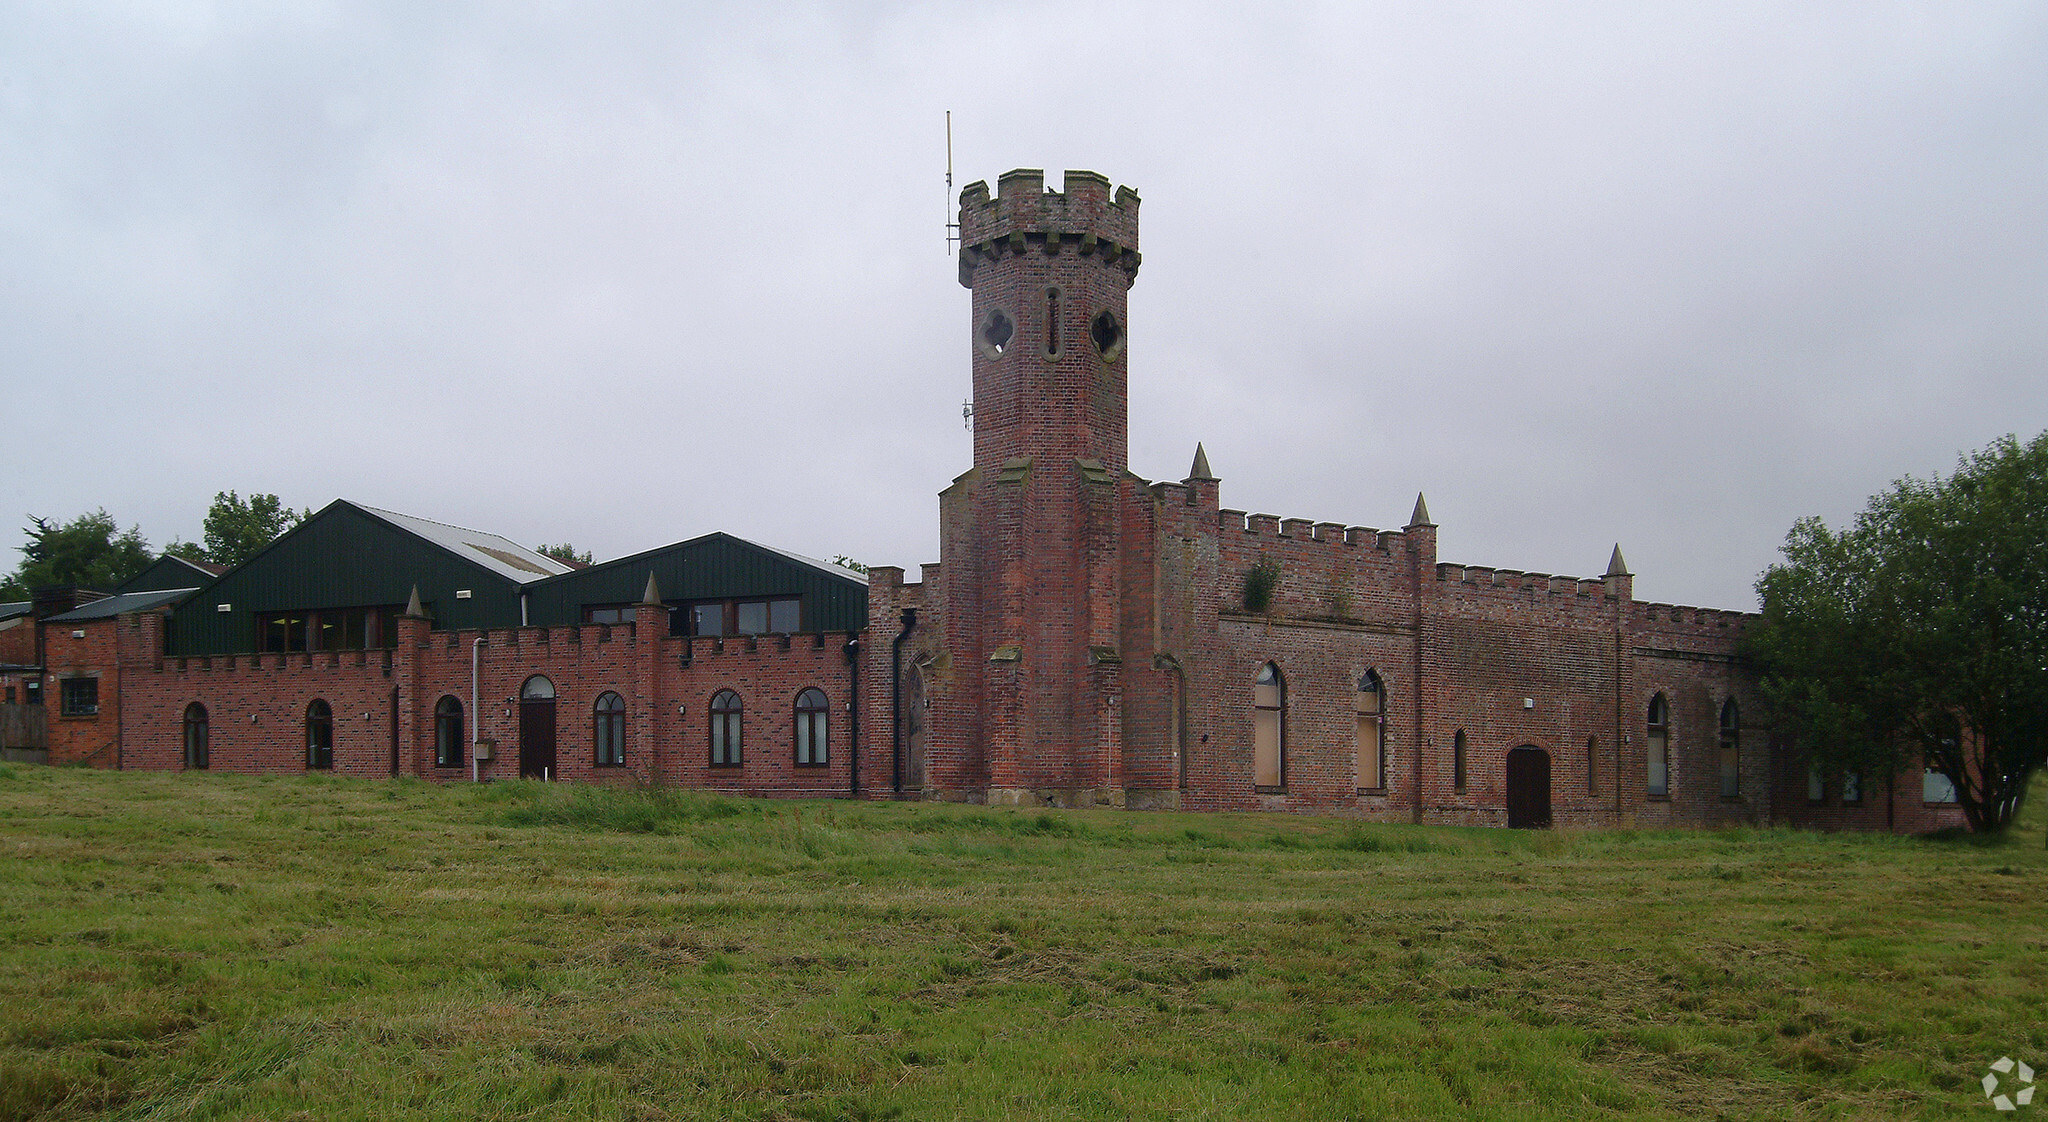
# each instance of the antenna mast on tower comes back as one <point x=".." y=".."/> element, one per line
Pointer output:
<point x="952" y="226"/>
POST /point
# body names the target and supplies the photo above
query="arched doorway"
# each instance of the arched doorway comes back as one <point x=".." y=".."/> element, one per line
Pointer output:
<point x="537" y="728"/>
<point x="1528" y="788"/>
<point x="914" y="722"/>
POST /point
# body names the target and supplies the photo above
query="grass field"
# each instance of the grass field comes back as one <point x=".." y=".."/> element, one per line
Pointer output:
<point x="213" y="947"/>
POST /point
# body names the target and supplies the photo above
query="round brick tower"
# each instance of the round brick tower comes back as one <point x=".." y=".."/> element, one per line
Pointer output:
<point x="1025" y="704"/>
<point x="1050" y="273"/>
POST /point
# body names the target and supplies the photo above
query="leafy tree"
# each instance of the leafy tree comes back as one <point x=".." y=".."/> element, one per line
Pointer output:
<point x="237" y="530"/>
<point x="1920" y="633"/>
<point x="845" y="562"/>
<point x="565" y="553"/>
<point x="89" y="551"/>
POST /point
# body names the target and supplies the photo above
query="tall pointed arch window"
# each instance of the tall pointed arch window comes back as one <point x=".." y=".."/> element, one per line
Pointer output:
<point x="1458" y="762"/>
<point x="1269" y="728"/>
<point x="1370" y="702"/>
<point x="319" y="736"/>
<point x="448" y="750"/>
<point x="198" y="737"/>
<point x="727" y="716"/>
<point x="1657" y="749"/>
<point x="811" y="739"/>
<point x="1731" y="751"/>
<point x="609" y="729"/>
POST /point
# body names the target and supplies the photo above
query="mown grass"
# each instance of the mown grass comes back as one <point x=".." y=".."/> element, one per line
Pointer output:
<point x="214" y="947"/>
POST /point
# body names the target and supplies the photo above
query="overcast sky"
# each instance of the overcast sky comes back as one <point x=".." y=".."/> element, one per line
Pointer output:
<point x="1664" y="275"/>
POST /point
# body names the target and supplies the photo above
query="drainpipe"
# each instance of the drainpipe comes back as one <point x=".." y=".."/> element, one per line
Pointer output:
<point x="896" y="696"/>
<point x="853" y="714"/>
<point x="476" y="715"/>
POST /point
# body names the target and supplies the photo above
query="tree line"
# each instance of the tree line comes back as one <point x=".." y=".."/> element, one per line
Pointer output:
<point x="1919" y="633"/>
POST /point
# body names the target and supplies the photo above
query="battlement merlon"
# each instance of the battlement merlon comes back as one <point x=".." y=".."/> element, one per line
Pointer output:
<point x="1085" y="218"/>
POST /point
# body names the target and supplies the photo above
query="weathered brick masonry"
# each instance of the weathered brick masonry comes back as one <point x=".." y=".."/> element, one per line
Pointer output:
<point x="1087" y="637"/>
<point x="383" y="704"/>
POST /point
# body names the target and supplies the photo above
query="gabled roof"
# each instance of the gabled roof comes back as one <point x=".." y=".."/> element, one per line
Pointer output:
<point x="123" y="602"/>
<point x="15" y="609"/>
<point x="170" y="571"/>
<point x="501" y="555"/>
<point x="715" y="566"/>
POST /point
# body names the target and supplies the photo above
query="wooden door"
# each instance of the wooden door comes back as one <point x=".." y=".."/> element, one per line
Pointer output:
<point x="1528" y="788"/>
<point x="536" y="738"/>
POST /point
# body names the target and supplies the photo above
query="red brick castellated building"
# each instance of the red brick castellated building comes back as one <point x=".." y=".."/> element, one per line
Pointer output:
<point x="1086" y="638"/>
<point x="1092" y="638"/>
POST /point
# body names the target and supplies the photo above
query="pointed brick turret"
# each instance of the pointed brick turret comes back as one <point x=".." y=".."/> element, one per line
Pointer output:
<point x="1421" y="515"/>
<point x="653" y="593"/>
<point x="1201" y="469"/>
<point x="1616" y="567"/>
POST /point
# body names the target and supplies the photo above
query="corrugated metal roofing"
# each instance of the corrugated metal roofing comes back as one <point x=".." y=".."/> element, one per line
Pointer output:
<point x="125" y="602"/>
<point x="18" y="608"/>
<point x="503" y="556"/>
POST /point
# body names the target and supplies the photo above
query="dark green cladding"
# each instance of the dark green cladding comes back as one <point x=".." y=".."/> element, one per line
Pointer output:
<point x="345" y="557"/>
<point x="342" y="557"/>
<point x="713" y="567"/>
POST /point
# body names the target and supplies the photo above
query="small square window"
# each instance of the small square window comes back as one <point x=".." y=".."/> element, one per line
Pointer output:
<point x="79" y="697"/>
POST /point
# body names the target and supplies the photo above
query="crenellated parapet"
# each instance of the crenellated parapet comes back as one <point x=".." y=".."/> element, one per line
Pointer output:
<point x="1242" y="526"/>
<point x="1024" y="217"/>
<point x="1679" y="617"/>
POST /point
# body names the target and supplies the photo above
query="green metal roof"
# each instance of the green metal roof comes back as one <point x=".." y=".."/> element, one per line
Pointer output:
<point x="715" y="566"/>
<point x="349" y="556"/>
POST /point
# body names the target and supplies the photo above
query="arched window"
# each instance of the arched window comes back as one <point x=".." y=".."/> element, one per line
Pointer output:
<point x="1731" y="751"/>
<point x="198" y="738"/>
<point x="537" y="688"/>
<point x="1592" y="765"/>
<point x="1371" y="704"/>
<point x="1269" y="733"/>
<point x="448" y="733"/>
<point x="319" y="736"/>
<point x="1657" y="749"/>
<point x="609" y="733"/>
<point x="811" y="742"/>
<point x="1458" y="762"/>
<point x="726" y="729"/>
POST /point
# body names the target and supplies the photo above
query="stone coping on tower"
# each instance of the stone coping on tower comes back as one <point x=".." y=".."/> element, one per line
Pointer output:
<point x="1023" y="205"/>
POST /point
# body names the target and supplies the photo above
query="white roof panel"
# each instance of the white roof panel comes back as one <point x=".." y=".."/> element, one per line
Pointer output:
<point x="501" y="555"/>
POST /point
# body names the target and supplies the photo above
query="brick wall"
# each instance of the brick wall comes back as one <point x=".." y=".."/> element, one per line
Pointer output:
<point x="84" y="650"/>
<point x="383" y="704"/>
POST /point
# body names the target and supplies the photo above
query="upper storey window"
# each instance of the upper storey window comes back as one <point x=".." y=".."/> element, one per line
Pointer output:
<point x="995" y="333"/>
<point x="328" y="629"/>
<point x="1107" y="334"/>
<point x="776" y="616"/>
